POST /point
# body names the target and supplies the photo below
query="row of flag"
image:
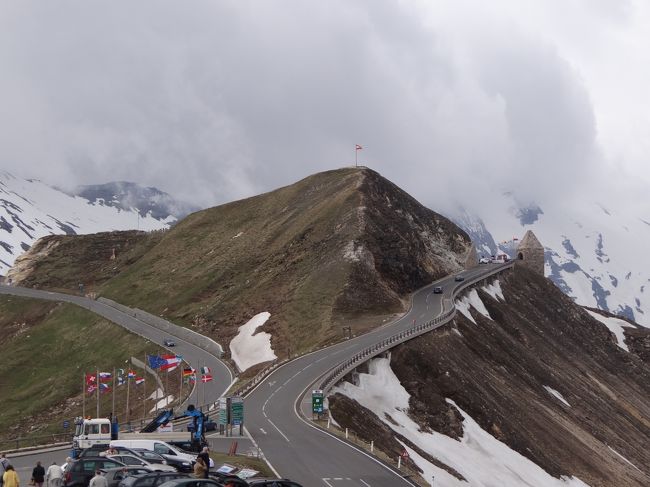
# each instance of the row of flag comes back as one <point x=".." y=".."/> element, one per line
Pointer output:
<point x="100" y="380"/>
<point x="189" y="375"/>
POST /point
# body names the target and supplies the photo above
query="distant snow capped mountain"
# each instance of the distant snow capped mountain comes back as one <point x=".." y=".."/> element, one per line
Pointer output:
<point x="594" y="253"/>
<point x="127" y="196"/>
<point x="30" y="209"/>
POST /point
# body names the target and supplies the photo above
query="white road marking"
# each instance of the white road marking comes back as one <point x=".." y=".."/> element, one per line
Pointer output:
<point x="262" y="430"/>
<point x="365" y="483"/>
<point x="326" y="481"/>
<point x="271" y="383"/>
<point x="279" y="431"/>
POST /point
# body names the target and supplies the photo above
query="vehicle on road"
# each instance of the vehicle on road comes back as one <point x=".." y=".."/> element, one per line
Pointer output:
<point x="152" y="479"/>
<point x="437" y="290"/>
<point x="151" y="456"/>
<point x="115" y="475"/>
<point x="79" y="473"/>
<point x="272" y="483"/>
<point x="168" y="342"/>
<point x="484" y="260"/>
<point x="135" y="460"/>
<point x="459" y="278"/>
<point x="209" y="482"/>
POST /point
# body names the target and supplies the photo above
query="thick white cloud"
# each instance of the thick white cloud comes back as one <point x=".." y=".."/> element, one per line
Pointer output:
<point x="220" y="100"/>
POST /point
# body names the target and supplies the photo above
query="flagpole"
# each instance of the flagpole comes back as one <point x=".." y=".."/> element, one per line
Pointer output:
<point x="83" y="392"/>
<point x="166" y="389"/>
<point x="128" y="386"/>
<point x="144" y="390"/>
<point x="356" y="157"/>
<point x="180" y="388"/>
<point x="97" y="391"/>
<point x="113" y="405"/>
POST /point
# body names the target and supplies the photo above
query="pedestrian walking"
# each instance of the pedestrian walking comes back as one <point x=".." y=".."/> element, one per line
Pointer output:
<point x="38" y="475"/>
<point x="98" y="480"/>
<point x="66" y="465"/>
<point x="54" y="475"/>
<point x="10" y="477"/>
<point x="3" y="466"/>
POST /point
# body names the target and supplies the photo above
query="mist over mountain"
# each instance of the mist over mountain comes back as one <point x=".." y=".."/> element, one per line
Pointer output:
<point x="593" y="251"/>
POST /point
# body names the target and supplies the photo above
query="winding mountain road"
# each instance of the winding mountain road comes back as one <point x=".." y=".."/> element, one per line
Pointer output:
<point x="276" y="410"/>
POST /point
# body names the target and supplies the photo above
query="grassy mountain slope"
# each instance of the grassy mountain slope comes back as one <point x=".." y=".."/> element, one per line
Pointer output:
<point x="496" y="371"/>
<point x="47" y="349"/>
<point x="338" y="247"/>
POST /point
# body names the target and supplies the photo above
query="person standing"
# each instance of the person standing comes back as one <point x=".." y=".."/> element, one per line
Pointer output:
<point x="199" y="469"/>
<point x="68" y="462"/>
<point x="54" y="475"/>
<point x="38" y="475"/>
<point x="98" y="480"/>
<point x="3" y="466"/>
<point x="205" y="456"/>
<point x="10" y="477"/>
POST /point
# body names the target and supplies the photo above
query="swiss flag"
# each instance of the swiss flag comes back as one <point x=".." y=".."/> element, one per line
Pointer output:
<point x="358" y="147"/>
<point x="206" y="378"/>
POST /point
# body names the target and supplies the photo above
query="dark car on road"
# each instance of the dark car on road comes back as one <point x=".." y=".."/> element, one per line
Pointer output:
<point x="168" y="342"/>
<point x="272" y="483"/>
<point x="459" y="278"/>
<point x="192" y="482"/>
<point x="79" y="473"/>
<point x="153" y="479"/>
<point x="437" y="290"/>
<point x="117" y="474"/>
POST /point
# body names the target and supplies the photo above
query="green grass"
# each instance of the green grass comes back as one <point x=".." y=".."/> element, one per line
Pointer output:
<point x="48" y="347"/>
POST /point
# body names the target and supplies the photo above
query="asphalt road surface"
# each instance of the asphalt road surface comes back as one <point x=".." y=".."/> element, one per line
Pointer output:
<point x="307" y="455"/>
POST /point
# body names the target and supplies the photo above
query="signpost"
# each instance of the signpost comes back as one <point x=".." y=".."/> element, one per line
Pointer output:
<point x="222" y="419"/>
<point x="237" y="412"/>
<point x="317" y="402"/>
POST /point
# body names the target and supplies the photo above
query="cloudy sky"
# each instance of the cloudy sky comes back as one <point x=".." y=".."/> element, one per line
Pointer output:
<point x="216" y="100"/>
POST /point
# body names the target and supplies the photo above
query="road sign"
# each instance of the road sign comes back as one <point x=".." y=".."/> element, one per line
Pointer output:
<point x="236" y="411"/>
<point x="66" y="424"/>
<point x="223" y="411"/>
<point x="317" y="401"/>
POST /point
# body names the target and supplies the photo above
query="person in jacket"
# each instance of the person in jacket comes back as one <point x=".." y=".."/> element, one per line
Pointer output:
<point x="54" y="475"/>
<point x="38" y="475"/>
<point x="199" y="469"/>
<point x="98" y="480"/>
<point x="10" y="477"/>
<point x="3" y="466"/>
<point x="205" y="456"/>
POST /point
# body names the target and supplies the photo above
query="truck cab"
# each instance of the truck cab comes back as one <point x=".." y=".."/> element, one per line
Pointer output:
<point x="89" y="432"/>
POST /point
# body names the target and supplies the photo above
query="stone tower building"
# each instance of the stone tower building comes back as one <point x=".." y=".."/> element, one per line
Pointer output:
<point x="531" y="253"/>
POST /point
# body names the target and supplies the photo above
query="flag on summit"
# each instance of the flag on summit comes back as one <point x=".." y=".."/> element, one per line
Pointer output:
<point x="358" y="147"/>
<point x="91" y="388"/>
<point x="131" y="374"/>
<point x="104" y="387"/>
<point x="121" y="380"/>
<point x="170" y="362"/>
<point x="205" y="370"/>
<point x="188" y="372"/>
<point x="91" y="379"/>
<point x="120" y="372"/>
<point x="206" y="378"/>
<point x="139" y="380"/>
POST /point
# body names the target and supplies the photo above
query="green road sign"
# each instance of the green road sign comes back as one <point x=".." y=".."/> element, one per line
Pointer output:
<point x="317" y="401"/>
<point x="236" y="411"/>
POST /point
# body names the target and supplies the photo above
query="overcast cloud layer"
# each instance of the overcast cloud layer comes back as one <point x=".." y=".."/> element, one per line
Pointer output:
<point x="216" y="100"/>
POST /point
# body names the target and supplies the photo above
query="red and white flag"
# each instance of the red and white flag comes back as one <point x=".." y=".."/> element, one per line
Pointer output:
<point x="358" y="147"/>
<point x="206" y="378"/>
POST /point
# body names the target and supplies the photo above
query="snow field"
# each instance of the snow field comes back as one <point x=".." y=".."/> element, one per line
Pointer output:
<point x="477" y="456"/>
<point x="248" y="348"/>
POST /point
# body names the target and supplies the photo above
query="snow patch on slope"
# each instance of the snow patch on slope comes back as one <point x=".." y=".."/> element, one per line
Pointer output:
<point x="478" y="456"/>
<point x="249" y="348"/>
<point x="615" y="326"/>
<point x="472" y="300"/>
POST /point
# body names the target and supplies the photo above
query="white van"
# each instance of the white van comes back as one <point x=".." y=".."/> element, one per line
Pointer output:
<point x="158" y="446"/>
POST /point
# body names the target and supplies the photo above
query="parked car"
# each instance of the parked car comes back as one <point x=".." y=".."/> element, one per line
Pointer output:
<point x="152" y="479"/>
<point x="179" y="464"/>
<point x="272" y="483"/>
<point x="79" y="473"/>
<point x="117" y="474"/>
<point x="437" y="290"/>
<point x="168" y="342"/>
<point x="459" y="278"/>
<point x="221" y="479"/>
<point x="484" y="260"/>
<point x="192" y="482"/>
<point x="128" y="459"/>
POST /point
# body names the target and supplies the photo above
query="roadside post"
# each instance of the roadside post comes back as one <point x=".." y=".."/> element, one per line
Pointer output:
<point x="237" y="413"/>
